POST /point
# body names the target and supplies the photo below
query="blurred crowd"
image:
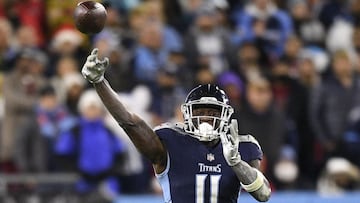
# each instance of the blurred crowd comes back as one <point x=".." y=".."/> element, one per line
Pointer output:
<point x="291" y="69"/>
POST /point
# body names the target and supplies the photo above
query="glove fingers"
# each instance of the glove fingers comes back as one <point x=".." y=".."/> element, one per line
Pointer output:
<point x="91" y="58"/>
<point x="234" y="127"/>
<point x="234" y="132"/>
<point x="94" y="51"/>
<point x="93" y="70"/>
<point x="231" y="139"/>
<point x="90" y="65"/>
<point x="224" y="139"/>
<point x="105" y="62"/>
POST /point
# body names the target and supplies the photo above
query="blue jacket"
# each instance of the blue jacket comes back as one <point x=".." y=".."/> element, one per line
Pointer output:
<point x="95" y="146"/>
<point x="278" y="28"/>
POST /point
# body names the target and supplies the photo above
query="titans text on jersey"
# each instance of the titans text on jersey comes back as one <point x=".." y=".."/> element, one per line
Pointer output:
<point x="206" y="168"/>
<point x="196" y="173"/>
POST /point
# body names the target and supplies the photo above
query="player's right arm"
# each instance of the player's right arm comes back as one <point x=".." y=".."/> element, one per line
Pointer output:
<point x="252" y="180"/>
<point x="142" y="135"/>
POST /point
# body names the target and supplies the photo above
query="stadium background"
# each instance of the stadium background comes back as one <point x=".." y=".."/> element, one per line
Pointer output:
<point x="291" y="70"/>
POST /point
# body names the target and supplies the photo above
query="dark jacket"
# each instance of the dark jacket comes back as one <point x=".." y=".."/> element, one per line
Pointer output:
<point x="330" y="107"/>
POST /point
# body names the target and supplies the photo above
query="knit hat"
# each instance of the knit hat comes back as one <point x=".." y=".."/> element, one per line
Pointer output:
<point x="89" y="98"/>
<point x="230" y="78"/>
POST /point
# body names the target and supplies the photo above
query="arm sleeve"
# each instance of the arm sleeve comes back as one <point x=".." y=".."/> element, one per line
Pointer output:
<point x="250" y="151"/>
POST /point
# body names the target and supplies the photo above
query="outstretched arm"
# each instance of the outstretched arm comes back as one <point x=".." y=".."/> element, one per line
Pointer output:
<point x="143" y="137"/>
<point x="249" y="175"/>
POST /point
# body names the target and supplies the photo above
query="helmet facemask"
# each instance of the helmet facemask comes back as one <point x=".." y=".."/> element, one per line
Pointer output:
<point x="199" y="126"/>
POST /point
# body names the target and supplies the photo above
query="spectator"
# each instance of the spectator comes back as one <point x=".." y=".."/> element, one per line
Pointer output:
<point x="93" y="148"/>
<point x="332" y="101"/>
<point x="292" y="51"/>
<point x="65" y="66"/>
<point x="150" y="55"/>
<point x="25" y="37"/>
<point x="207" y="45"/>
<point x="289" y="94"/>
<point x="204" y="76"/>
<point x="21" y="88"/>
<point x="263" y="23"/>
<point x="291" y="97"/>
<point x="154" y="10"/>
<point x="309" y="78"/>
<point x="66" y="42"/>
<point x="52" y="119"/>
<point x="339" y="176"/>
<point x="306" y="25"/>
<point x="319" y="57"/>
<point x="34" y="147"/>
<point x="261" y="118"/>
<point x="250" y="59"/>
<point x="308" y="75"/>
<point x="74" y="86"/>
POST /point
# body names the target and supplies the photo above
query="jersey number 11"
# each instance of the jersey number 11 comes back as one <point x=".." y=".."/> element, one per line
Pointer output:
<point x="200" y="187"/>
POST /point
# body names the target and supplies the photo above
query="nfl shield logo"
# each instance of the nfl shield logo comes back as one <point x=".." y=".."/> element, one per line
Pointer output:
<point x="210" y="157"/>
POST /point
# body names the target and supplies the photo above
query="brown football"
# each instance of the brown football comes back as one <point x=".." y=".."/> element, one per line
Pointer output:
<point x="90" y="17"/>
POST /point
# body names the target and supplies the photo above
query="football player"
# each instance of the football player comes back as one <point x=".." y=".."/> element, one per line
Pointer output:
<point x="201" y="160"/>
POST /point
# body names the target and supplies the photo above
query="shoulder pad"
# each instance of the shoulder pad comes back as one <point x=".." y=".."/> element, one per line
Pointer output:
<point x="249" y="138"/>
<point x="173" y="126"/>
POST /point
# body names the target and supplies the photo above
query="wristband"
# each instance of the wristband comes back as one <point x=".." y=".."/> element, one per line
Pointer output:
<point x="258" y="182"/>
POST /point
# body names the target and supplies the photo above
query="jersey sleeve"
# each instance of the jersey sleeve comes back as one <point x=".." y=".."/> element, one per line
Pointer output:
<point x="249" y="148"/>
<point x="166" y="134"/>
<point x="165" y="130"/>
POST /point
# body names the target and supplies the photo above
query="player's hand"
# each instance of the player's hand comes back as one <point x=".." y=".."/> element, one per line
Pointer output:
<point x="230" y="143"/>
<point x="94" y="69"/>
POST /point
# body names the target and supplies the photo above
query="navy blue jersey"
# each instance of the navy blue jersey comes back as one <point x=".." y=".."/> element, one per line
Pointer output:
<point x="196" y="173"/>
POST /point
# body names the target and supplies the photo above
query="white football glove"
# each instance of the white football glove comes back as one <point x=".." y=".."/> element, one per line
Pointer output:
<point x="94" y="69"/>
<point x="230" y="143"/>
